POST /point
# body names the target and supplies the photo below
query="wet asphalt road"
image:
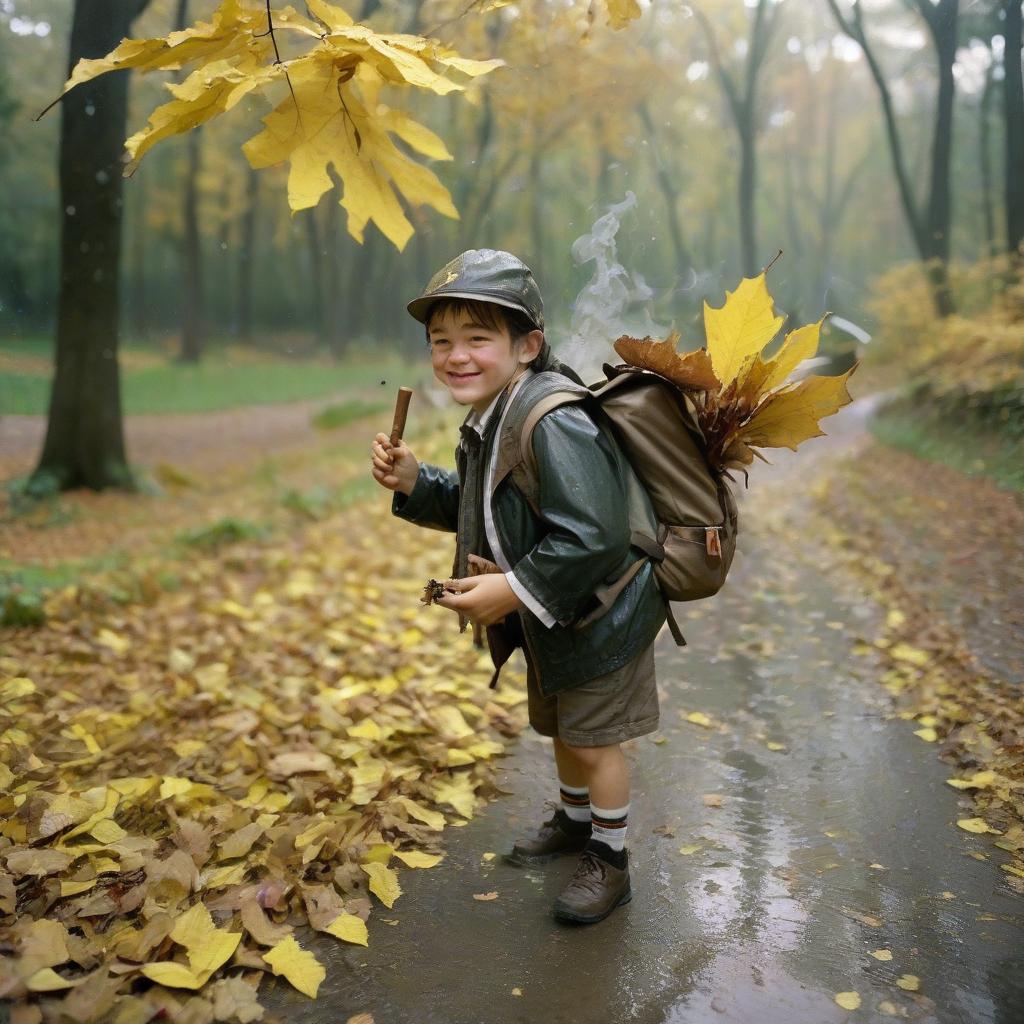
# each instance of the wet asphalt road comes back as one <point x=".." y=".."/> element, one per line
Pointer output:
<point x="842" y="842"/>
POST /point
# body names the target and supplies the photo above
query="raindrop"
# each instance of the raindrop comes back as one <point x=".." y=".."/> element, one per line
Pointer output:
<point x="84" y="247"/>
<point x="90" y="109"/>
<point x="108" y="353"/>
<point x="102" y="177"/>
<point x="69" y="210"/>
<point x="223" y="245"/>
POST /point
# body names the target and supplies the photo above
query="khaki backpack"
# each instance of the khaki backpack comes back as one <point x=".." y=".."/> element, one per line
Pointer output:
<point x="655" y="424"/>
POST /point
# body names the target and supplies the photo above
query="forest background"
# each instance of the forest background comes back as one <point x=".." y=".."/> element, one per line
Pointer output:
<point x="741" y="128"/>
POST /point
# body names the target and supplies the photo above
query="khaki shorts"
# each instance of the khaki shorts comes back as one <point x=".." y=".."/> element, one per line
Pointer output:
<point x="609" y="709"/>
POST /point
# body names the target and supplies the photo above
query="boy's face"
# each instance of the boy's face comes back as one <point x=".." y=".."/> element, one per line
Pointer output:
<point x="475" y="361"/>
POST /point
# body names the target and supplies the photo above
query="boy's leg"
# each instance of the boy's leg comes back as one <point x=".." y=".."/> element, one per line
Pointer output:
<point x="601" y="880"/>
<point x="573" y="789"/>
<point x="607" y="774"/>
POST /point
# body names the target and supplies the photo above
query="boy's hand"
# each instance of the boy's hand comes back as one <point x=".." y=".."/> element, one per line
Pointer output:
<point x="394" y="468"/>
<point x="485" y="599"/>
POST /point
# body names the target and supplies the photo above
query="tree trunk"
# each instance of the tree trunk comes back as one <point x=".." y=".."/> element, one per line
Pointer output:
<point x="247" y="256"/>
<point x="137" y="302"/>
<point x="747" y="193"/>
<point x="535" y="202"/>
<point x="334" y="301"/>
<point x="985" y="159"/>
<point x="1013" y="109"/>
<point x="930" y="231"/>
<point x="943" y="23"/>
<point x="670" y="194"/>
<point x="84" y="443"/>
<point x="316" y="291"/>
<point x="191" y="247"/>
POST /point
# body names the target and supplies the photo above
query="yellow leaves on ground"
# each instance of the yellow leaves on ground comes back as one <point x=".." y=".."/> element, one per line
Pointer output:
<point x="349" y="928"/>
<point x="977" y="825"/>
<point x="206" y="946"/>
<point x="848" y="1000"/>
<point x="742" y="400"/>
<point x="330" y="115"/>
<point x="979" y="780"/>
<point x="697" y="718"/>
<point x="383" y="883"/>
<point x="882" y="954"/>
<point x="297" y="965"/>
<point x="909" y="982"/>
<point x="260" y="797"/>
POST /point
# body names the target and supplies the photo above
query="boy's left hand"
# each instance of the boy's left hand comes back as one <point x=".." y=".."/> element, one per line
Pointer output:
<point x="485" y="599"/>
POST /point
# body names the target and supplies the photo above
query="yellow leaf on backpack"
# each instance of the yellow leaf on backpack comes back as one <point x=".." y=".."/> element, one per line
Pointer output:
<point x="789" y="417"/>
<point x="738" y="331"/>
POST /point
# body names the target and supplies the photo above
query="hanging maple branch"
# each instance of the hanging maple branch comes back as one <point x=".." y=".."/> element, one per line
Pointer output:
<point x="325" y="121"/>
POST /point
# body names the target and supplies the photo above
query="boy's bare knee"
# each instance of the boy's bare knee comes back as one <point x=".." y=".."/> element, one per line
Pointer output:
<point x="589" y="756"/>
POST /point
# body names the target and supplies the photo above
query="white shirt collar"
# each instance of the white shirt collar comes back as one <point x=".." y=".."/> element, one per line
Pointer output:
<point x="478" y="421"/>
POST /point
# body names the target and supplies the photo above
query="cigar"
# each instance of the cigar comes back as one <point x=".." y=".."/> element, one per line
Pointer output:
<point x="401" y="413"/>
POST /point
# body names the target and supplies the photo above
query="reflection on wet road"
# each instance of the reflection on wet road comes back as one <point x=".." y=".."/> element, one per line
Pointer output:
<point x="835" y="838"/>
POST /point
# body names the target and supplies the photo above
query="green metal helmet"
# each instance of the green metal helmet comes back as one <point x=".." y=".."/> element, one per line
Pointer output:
<point x="487" y="275"/>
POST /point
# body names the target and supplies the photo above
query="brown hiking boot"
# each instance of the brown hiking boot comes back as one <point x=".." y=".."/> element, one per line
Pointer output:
<point x="558" y="835"/>
<point x="596" y="889"/>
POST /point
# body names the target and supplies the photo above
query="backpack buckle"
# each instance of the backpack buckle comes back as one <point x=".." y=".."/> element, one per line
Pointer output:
<point x="712" y="541"/>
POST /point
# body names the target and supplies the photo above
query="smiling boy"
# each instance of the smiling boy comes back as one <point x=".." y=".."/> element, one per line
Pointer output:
<point x="545" y="541"/>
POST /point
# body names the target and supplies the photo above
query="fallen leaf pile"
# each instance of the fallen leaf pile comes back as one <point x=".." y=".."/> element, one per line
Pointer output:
<point x="874" y="514"/>
<point x="742" y="400"/>
<point x="186" y="782"/>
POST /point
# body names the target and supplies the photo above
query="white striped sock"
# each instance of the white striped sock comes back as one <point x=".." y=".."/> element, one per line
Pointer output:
<point x="575" y="801"/>
<point x="608" y="824"/>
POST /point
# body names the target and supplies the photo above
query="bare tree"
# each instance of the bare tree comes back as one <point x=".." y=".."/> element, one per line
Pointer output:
<point x="929" y="227"/>
<point x="1013" y="108"/>
<point x="744" y="107"/>
<point x="192" y="328"/>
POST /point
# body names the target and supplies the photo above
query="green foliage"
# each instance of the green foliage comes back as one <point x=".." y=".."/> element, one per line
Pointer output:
<point x="229" y="530"/>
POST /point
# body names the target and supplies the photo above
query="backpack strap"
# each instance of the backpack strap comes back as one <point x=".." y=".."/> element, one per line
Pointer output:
<point x="527" y="481"/>
<point x="525" y="477"/>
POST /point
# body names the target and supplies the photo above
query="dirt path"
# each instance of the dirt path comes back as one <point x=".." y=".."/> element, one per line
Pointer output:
<point x="835" y="838"/>
<point x="199" y="443"/>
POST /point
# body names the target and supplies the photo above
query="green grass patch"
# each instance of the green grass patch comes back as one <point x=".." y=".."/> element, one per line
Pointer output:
<point x="960" y="441"/>
<point x="221" y="383"/>
<point x="214" y="536"/>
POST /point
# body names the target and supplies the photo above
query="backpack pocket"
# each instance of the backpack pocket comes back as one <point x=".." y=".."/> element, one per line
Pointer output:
<point x="697" y="560"/>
